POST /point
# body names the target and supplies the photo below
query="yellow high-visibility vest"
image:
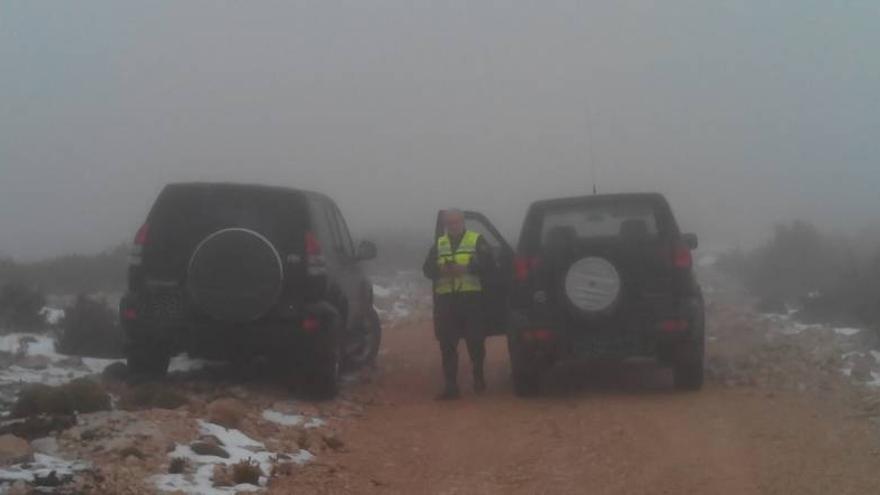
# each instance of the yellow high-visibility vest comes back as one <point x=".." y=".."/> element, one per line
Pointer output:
<point x="462" y="256"/>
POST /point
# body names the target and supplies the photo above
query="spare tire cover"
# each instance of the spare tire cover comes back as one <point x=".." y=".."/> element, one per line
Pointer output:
<point x="592" y="284"/>
<point x="235" y="275"/>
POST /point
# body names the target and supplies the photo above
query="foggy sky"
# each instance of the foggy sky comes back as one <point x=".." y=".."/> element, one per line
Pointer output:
<point x="743" y="113"/>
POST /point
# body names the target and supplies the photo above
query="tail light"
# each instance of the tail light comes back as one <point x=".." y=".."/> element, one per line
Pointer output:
<point x="141" y="238"/>
<point x="143" y="235"/>
<point x="673" y="326"/>
<point x="524" y="266"/>
<point x="539" y="335"/>
<point x="316" y="264"/>
<point x="311" y="324"/>
<point x="129" y="314"/>
<point x="681" y="256"/>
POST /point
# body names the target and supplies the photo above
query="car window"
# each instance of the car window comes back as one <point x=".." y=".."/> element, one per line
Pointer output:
<point x="342" y="231"/>
<point x="479" y="227"/>
<point x="635" y="220"/>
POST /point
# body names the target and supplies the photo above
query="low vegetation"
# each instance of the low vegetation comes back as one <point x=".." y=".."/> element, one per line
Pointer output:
<point x="828" y="278"/>
<point x="20" y="306"/>
<point x="91" y="328"/>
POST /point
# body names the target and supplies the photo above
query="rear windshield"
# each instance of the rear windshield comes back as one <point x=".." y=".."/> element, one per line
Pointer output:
<point x="632" y="220"/>
<point x="184" y="215"/>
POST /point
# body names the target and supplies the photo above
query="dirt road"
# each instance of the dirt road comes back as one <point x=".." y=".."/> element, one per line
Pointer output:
<point x="614" y="430"/>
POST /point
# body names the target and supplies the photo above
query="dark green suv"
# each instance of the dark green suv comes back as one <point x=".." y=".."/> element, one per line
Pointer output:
<point x="230" y="271"/>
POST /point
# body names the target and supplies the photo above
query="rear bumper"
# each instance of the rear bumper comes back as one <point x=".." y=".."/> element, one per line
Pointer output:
<point x="152" y="319"/>
<point x="629" y="335"/>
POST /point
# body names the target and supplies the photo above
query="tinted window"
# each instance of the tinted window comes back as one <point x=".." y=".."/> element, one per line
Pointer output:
<point x="633" y="220"/>
<point x="344" y="235"/>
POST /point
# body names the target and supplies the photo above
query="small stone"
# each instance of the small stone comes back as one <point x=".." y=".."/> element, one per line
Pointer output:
<point x="211" y="439"/>
<point x="117" y="371"/>
<point x="14" y="450"/>
<point x="333" y="441"/>
<point x="209" y="449"/>
<point x="34" y="362"/>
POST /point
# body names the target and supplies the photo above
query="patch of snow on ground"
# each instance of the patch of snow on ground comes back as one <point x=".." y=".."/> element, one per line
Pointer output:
<point x="847" y="332"/>
<point x="239" y="446"/>
<point x="42" y="466"/>
<point x="380" y="291"/>
<point x="184" y="363"/>
<point x="57" y="369"/>
<point x="282" y="419"/>
<point x="52" y="316"/>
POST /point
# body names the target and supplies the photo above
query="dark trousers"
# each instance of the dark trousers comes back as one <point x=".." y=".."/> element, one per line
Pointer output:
<point x="456" y="317"/>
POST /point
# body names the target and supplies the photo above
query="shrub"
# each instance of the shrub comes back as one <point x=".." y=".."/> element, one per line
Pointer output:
<point x="20" y="307"/>
<point x="90" y="328"/>
<point x="246" y="472"/>
<point x="81" y="395"/>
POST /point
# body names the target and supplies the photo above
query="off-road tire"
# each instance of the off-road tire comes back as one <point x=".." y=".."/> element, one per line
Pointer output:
<point x="688" y="375"/>
<point x="525" y="372"/>
<point x="364" y="352"/>
<point x="322" y="374"/>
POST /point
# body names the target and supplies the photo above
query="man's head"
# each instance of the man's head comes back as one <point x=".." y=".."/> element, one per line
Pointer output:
<point x="453" y="221"/>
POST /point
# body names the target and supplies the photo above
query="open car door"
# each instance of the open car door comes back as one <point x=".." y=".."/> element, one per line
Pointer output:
<point x="496" y="289"/>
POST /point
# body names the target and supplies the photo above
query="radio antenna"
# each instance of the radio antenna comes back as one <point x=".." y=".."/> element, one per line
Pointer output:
<point x="591" y="152"/>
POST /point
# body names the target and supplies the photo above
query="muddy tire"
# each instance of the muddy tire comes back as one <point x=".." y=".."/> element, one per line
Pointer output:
<point x="688" y="376"/>
<point x="526" y="383"/>
<point x="322" y="376"/>
<point x="363" y="351"/>
<point x="525" y="372"/>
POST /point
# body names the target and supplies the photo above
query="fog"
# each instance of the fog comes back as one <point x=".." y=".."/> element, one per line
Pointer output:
<point x="743" y="113"/>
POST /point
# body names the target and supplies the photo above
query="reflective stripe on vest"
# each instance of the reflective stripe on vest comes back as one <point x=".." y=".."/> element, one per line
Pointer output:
<point x="462" y="256"/>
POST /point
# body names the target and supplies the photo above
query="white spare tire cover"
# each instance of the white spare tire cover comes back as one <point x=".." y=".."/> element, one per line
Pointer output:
<point x="592" y="284"/>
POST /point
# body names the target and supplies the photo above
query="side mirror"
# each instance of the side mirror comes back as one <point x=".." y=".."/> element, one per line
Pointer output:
<point x="691" y="241"/>
<point x="366" y="250"/>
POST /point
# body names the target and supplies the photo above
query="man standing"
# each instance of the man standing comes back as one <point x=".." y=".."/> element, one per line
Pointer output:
<point x="456" y="264"/>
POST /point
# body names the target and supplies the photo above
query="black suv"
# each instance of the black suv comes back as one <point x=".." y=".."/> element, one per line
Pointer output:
<point x="229" y="271"/>
<point x="601" y="277"/>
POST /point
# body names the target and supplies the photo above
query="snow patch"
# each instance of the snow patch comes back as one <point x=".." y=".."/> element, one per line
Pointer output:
<point x="184" y="363"/>
<point x="380" y="291"/>
<point x="282" y="419"/>
<point x="240" y="448"/>
<point x="52" y="316"/>
<point x="42" y="466"/>
<point x="847" y="332"/>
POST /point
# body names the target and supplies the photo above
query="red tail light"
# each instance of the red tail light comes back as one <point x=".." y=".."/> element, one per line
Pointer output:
<point x="311" y="324"/>
<point x="523" y="266"/>
<point x="681" y="256"/>
<point x="672" y="326"/>
<point x="313" y="247"/>
<point x="539" y="335"/>
<point x="316" y="264"/>
<point x="129" y="314"/>
<point x="142" y="236"/>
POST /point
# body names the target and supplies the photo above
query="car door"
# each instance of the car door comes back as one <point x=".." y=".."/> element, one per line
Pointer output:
<point x="496" y="289"/>
<point x="351" y="278"/>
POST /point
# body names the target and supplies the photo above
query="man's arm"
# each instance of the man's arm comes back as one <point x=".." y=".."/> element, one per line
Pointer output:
<point x="430" y="268"/>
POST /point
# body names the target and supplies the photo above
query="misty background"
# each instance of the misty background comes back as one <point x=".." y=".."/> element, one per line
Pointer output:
<point x="744" y="113"/>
